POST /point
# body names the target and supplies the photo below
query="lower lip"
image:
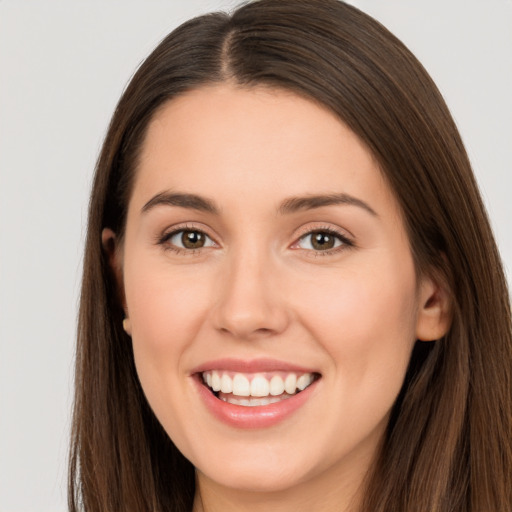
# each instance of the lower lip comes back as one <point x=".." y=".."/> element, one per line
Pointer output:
<point x="261" y="416"/>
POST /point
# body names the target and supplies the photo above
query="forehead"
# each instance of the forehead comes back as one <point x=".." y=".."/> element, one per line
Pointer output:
<point x="253" y="142"/>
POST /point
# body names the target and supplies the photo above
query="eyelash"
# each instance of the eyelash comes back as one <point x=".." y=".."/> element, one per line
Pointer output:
<point x="164" y="240"/>
<point x="346" y="243"/>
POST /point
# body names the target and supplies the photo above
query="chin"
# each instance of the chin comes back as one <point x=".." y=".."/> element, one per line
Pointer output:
<point x="271" y="478"/>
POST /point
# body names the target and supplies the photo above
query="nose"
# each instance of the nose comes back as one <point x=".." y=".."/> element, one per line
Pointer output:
<point x="250" y="303"/>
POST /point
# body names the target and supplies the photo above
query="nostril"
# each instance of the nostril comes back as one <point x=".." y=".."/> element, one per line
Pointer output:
<point x="264" y="330"/>
<point x="247" y="332"/>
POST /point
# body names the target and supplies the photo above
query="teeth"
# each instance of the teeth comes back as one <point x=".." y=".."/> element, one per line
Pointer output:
<point x="256" y="385"/>
<point x="260" y="386"/>
<point x="241" y="386"/>
<point x="215" y="381"/>
<point x="226" y="384"/>
<point x="276" y="386"/>
<point x="252" y="402"/>
<point x="290" y="383"/>
<point x="304" y="381"/>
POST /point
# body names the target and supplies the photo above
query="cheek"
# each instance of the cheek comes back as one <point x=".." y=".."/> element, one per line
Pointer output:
<point x="166" y="310"/>
<point x="165" y="307"/>
<point x="365" y="321"/>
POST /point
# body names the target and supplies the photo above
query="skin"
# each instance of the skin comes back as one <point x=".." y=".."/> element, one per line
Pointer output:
<point x="259" y="289"/>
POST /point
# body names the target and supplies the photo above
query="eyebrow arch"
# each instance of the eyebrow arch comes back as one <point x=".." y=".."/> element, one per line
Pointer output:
<point x="294" y="204"/>
<point x="191" y="201"/>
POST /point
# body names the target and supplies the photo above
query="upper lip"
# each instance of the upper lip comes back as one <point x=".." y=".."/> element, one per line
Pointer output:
<point x="251" y="366"/>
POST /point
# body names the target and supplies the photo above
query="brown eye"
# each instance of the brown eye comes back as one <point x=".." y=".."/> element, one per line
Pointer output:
<point x="322" y="241"/>
<point x="189" y="239"/>
<point x="192" y="239"/>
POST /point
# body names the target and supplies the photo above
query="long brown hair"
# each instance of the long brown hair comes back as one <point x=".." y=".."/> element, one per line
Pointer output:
<point x="448" y="446"/>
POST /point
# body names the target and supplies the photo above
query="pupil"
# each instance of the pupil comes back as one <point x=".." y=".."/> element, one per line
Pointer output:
<point x="323" y="241"/>
<point x="192" y="239"/>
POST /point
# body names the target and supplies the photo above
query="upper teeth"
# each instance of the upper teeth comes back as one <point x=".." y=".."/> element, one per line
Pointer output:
<point x="258" y="384"/>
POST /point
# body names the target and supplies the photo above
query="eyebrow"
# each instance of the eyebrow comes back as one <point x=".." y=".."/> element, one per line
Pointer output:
<point x="288" y="206"/>
<point x="191" y="201"/>
<point x="294" y="204"/>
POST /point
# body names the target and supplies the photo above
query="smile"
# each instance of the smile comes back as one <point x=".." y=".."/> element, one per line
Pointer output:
<point x="255" y="394"/>
<point x="259" y="389"/>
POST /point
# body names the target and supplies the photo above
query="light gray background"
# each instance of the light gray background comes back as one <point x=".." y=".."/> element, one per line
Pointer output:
<point x="63" y="65"/>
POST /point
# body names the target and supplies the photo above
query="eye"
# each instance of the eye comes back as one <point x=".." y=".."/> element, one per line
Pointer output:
<point x="322" y="240"/>
<point x="188" y="239"/>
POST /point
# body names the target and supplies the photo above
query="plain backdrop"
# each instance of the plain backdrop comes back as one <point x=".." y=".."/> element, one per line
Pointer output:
<point x="63" y="66"/>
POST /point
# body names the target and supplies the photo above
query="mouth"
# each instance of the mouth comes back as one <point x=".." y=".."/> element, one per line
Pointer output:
<point x="256" y="389"/>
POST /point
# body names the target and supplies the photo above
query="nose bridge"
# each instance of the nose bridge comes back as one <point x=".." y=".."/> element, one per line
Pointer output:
<point x="249" y="303"/>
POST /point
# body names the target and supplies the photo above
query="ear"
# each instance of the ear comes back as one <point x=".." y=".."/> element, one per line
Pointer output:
<point x="435" y="310"/>
<point x="114" y="256"/>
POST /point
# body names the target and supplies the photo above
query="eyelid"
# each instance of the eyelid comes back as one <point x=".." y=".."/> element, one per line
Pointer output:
<point x="164" y="237"/>
<point x="343" y="235"/>
<point x="347" y="240"/>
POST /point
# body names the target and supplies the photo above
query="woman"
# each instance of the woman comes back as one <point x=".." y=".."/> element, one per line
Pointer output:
<point x="292" y="297"/>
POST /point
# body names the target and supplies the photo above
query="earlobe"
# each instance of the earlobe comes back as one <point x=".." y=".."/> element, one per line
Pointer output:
<point x="111" y="249"/>
<point x="127" y="326"/>
<point x="109" y="243"/>
<point x="435" y="310"/>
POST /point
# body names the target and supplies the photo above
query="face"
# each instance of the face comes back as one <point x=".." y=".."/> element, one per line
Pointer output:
<point x="269" y="288"/>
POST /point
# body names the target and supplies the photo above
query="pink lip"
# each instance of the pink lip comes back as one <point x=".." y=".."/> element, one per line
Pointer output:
<point x="239" y="416"/>
<point x="252" y="366"/>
